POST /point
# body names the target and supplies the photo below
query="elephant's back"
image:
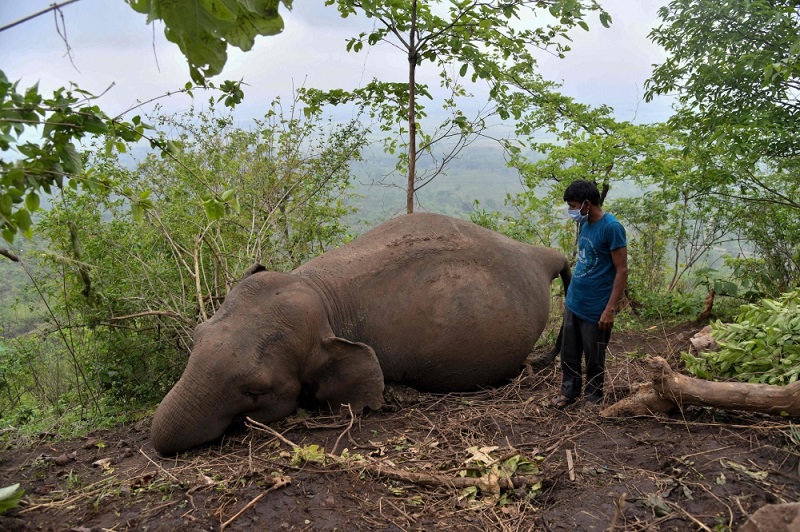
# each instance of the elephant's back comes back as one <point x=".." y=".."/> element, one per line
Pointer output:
<point x="400" y="239"/>
<point x="446" y="304"/>
<point x="413" y="238"/>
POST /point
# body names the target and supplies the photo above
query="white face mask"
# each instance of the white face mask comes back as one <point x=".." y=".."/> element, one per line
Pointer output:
<point x="576" y="215"/>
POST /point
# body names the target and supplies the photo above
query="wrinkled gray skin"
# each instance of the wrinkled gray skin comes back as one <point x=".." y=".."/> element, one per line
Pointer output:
<point x="429" y="301"/>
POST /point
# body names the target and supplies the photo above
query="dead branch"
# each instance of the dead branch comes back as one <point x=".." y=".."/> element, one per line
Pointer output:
<point x="346" y="431"/>
<point x="167" y="313"/>
<point x="253" y="424"/>
<point x="491" y="483"/>
<point x="619" y="504"/>
<point x="670" y="390"/>
<point x="570" y="466"/>
<point x="709" y="305"/>
<point x="170" y="475"/>
<point x="7" y="253"/>
<point x="279" y="483"/>
<point x="52" y="7"/>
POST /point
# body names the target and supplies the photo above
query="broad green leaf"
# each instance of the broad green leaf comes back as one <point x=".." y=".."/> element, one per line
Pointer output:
<point x="243" y="34"/>
<point x="95" y="126"/>
<point x="71" y="159"/>
<point x="6" y="203"/>
<point x="8" y="233"/>
<point x="214" y="209"/>
<point x="203" y="29"/>
<point x="136" y="212"/>
<point x="32" y="201"/>
<point x="9" y="497"/>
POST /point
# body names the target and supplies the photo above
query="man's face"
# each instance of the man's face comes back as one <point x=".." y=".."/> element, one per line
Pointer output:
<point x="576" y="205"/>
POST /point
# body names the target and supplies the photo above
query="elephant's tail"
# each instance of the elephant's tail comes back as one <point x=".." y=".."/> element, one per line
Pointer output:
<point x="557" y="348"/>
<point x="566" y="277"/>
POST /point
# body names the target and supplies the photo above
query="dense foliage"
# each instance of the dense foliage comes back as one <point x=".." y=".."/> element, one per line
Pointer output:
<point x="39" y="145"/>
<point x="40" y="134"/>
<point x="735" y="69"/>
<point x="129" y="278"/>
<point x="711" y="194"/>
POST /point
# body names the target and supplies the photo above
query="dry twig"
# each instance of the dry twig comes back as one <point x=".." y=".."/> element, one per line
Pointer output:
<point x="279" y="483"/>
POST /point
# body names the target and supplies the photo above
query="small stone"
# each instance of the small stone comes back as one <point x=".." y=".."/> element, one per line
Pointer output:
<point x="62" y="459"/>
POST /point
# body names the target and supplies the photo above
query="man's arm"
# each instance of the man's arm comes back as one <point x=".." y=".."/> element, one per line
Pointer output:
<point x="619" y="257"/>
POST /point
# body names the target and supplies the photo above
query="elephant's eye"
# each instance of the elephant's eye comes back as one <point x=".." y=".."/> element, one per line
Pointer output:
<point x="255" y="396"/>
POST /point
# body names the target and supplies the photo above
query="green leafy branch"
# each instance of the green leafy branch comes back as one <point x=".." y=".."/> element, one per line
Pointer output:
<point x="762" y="345"/>
<point x="203" y="30"/>
<point x="59" y="124"/>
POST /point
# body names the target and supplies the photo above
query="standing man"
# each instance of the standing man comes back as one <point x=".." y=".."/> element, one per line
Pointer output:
<point x="598" y="281"/>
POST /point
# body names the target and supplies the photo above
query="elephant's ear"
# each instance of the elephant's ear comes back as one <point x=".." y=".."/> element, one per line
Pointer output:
<point x="346" y="372"/>
<point x="255" y="268"/>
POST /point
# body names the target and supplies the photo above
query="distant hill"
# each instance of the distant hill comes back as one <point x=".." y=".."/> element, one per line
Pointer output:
<point x="480" y="173"/>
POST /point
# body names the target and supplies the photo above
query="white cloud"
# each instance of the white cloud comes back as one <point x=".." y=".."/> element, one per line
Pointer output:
<point x="112" y="44"/>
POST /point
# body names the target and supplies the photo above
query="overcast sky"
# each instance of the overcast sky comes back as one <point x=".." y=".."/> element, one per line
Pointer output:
<point x="112" y="44"/>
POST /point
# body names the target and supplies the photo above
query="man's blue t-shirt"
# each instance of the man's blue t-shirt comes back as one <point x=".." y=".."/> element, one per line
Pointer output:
<point x="593" y="275"/>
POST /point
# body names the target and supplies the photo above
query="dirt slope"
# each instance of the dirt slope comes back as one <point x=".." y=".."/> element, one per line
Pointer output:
<point x="408" y="467"/>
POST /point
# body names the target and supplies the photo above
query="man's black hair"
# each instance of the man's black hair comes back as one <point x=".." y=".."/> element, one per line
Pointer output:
<point x="582" y="190"/>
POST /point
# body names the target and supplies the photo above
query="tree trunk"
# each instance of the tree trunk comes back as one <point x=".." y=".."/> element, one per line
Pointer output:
<point x="670" y="390"/>
<point x="412" y="112"/>
<point x="709" y="305"/>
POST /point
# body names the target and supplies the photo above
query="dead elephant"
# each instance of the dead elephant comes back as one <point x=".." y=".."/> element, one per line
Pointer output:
<point x="433" y="302"/>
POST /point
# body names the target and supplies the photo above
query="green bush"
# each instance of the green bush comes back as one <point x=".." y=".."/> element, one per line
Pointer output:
<point x="128" y="274"/>
<point x="667" y="305"/>
<point x="762" y="345"/>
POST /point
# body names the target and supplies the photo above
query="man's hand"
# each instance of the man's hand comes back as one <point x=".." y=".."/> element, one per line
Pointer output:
<point x="607" y="319"/>
<point x="620" y="258"/>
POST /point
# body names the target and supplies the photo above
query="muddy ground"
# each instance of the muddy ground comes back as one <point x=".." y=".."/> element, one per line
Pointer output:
<point x="430" y="462"/>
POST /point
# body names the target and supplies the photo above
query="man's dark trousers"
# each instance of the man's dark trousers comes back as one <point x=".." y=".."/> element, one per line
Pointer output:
<point x="581" y="337"/>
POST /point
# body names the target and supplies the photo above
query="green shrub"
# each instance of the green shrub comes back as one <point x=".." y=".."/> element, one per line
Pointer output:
<point x="665" y="305"/>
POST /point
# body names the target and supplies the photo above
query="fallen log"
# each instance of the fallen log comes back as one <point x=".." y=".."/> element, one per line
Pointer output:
<point x="670" y="390"/>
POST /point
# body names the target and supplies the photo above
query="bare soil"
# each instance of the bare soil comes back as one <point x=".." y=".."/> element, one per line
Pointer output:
<point x="410" y="466"/>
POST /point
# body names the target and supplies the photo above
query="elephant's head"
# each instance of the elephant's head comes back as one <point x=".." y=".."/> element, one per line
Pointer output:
<point x="270" y="341"/>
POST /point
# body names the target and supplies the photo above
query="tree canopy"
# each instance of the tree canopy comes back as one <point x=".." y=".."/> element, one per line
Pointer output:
<point x="735" y="68"/>
<point x="480" y="39"/>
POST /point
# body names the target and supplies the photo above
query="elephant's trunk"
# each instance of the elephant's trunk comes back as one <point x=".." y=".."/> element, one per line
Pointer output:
<point x="183" y="420"/>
